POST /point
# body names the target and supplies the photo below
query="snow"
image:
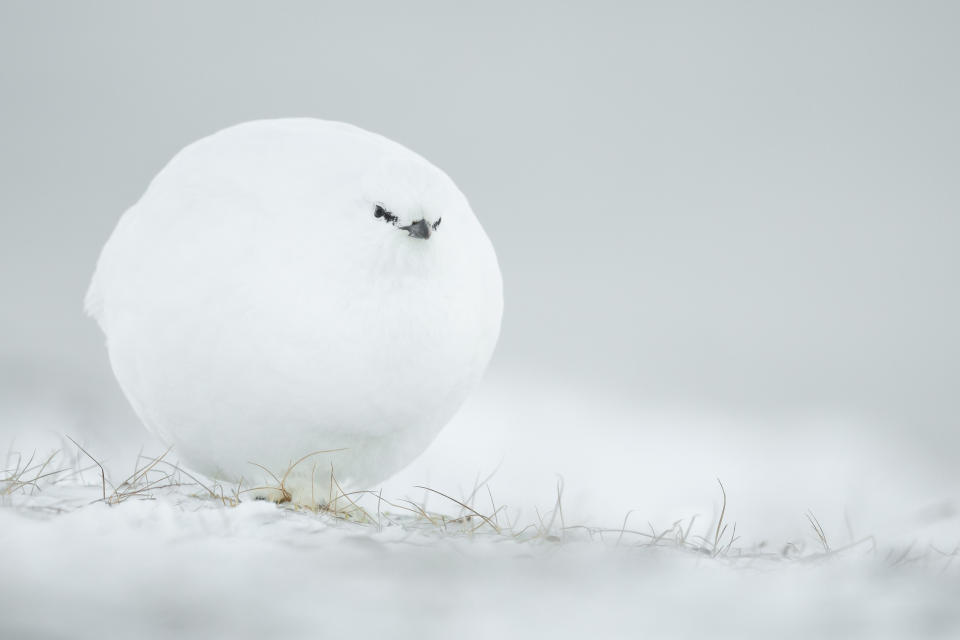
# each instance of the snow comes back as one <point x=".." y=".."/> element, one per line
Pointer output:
<point x="156" y="568"/>
<point x="174" y="562"/>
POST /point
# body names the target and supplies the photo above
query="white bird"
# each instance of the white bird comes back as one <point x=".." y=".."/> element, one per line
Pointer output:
<point x="297" y="285"/>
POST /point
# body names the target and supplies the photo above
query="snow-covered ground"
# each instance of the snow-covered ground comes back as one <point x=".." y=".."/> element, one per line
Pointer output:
<point x="634" y="550"/>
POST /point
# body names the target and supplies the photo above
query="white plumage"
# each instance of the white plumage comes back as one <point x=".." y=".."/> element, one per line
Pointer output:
<point x="272" y="294"/>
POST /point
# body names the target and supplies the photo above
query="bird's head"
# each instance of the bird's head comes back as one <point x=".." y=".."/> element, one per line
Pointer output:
<point x="413" y="207"/>
<point x="422" y="227"/>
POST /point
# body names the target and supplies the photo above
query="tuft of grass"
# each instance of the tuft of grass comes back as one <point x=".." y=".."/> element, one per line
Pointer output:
<point x="149" y="476"/>
<point x="464" y="516"/>
<point x="27" y="475"/>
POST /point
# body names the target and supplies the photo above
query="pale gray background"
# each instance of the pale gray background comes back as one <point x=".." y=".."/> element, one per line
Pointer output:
<point x="738" y="204"/>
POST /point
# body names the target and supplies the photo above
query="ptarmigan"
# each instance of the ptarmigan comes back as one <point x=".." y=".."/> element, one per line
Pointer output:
<point x="296" y="285"/>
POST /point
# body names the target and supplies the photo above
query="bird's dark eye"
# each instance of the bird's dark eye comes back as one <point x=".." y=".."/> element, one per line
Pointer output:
<point x="437" y="223"/>
<point x="380" y="212"/>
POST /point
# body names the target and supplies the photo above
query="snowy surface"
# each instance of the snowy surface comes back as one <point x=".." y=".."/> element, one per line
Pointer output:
<point x="152" y="569"/>
<point x="175" y="562"/>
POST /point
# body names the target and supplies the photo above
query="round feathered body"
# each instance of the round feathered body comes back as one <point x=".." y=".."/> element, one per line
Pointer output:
<point x="290" y="286"/>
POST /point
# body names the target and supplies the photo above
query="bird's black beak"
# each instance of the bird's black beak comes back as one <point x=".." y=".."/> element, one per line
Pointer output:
<point x="418" y="229"/>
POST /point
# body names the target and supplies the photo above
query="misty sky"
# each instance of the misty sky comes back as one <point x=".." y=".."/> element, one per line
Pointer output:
<point x="743" y="204"/>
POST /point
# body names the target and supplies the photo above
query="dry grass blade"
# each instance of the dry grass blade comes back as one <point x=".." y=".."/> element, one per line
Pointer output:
<point x="720" y="525"/>
<point x="103" y="474"/>
<point x="139" y="474"/>
<point x="17" y="476"/>
<point x="284" y="494"/>
<point x="468" y="508"/>
<point x="623" y="527"/>
<point x="818" y="530"/>
<point x="342" y="494"/>
<point x="686" y="533"/>
<point x="484" y="483"/>
<point x="209" y="490"/>
<point x="281" y="488"/>
<point x="139" y="482"/>
<point x="309" y="455"/>
<point x="558" y="508"/>
<point x="419" y="510"/>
